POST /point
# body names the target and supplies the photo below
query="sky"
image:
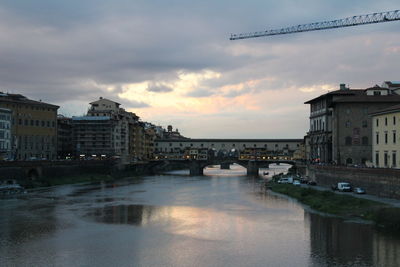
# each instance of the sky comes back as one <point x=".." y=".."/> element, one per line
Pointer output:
<point x="172" y="63"/>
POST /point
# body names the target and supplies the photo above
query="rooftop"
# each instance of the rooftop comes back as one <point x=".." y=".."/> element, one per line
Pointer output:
<point x="91" y="118"/>
<point x="18" y="98"/>
<point x="395" y="108"/>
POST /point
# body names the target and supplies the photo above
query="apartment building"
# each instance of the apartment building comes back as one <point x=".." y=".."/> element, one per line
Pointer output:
<point x="340" y="124"/>
<point x="65" y="147"/>
<point x="121" y="122"/>
<point x="386" y="137"/>
<point x="95" y="136"/>
<point x="5" y="133"/>
<point x="33" y="127"/>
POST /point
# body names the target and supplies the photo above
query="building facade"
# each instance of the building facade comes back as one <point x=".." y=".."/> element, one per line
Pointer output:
<point x="228" y="146"/>
<point x="5" y="134"/>
<point x="33" y="129"/>
<point x="94" y="136"/>
<point x="340" y="124"/>
<point x="65" y="147"/>
<point x="386" y="137"/>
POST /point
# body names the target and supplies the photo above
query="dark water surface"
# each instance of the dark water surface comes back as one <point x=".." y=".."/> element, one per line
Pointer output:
<point x="221" y="219"/>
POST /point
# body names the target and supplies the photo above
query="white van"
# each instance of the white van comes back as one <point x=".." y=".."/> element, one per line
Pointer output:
<point x="344" y="187"/>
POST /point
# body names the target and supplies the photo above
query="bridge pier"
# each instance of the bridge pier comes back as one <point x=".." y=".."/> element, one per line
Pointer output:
<point x="196" y="168"/>
<point x="252" y="168"/>
<point x="225" y="166"/>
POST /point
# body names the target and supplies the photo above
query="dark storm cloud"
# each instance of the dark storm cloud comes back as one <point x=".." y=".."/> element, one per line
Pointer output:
<point x="58" y="50"/>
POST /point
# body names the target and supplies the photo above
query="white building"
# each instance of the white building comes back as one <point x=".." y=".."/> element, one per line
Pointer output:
<point x="123" y="119"/>
<point x="5" y="133"/>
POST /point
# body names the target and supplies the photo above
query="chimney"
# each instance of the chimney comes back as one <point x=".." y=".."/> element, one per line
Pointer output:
<point x="343" y="86"/>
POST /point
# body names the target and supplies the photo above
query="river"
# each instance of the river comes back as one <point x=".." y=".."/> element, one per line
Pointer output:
<point x="220" y="219"/>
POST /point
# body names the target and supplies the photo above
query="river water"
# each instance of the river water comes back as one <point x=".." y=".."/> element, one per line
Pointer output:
<point x="221" y="219"/>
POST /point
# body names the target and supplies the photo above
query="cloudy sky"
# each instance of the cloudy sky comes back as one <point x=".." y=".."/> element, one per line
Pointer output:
<point x="171" y="62"/>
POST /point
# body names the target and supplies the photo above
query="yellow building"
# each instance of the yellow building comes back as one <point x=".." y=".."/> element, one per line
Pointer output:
<point x="34" y="127"/>
<point x="386" y="138"/>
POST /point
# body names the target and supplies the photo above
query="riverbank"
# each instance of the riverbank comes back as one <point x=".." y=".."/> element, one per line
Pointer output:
<point x="381" y="214"/>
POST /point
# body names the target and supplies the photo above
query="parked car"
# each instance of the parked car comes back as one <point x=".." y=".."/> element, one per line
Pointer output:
<point x="312" y="183"/>
<point x="359" y="190"/>
<point x="303" y="181"/>
<point x="296" y="182"/>
<point x="288" y="180"/>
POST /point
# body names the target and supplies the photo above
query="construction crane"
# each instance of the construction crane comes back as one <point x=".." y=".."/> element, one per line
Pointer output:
<point x="325" y="25"/>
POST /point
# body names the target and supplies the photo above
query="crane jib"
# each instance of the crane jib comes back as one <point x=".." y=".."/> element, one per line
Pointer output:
<point x="346" y="22"/>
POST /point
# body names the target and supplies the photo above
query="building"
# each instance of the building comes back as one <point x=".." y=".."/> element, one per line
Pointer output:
<point x="137" y="141"/>
<point x="33" y="127"/>
<point x="227" y="147"/>
<point x="123" y="126"/>
<point x="171" y="134"/>
<point x="5" y="134"/>
<point x="65" y="147"/>
<point x="95" y="136"/>
<point x="110" y="131"/>
<point x="386" y="137"/>
<point x="340" y="125"/>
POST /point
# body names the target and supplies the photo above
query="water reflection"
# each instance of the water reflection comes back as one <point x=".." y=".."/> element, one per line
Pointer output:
<point x="334" y="241"/>
<point x="217" y="220"/>
<point x="123" y="214"/>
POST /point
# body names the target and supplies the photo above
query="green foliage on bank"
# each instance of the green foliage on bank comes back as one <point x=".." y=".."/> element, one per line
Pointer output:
<point x="343" y="205"/>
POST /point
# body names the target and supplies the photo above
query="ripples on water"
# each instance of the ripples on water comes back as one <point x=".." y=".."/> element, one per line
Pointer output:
<point x="221" y="219"/>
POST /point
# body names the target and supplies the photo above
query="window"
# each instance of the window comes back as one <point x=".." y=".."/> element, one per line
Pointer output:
<point x="377" y="138"/>
<point x="394" y="160"/>
<point x="364" y="140"/>
<point x="348" y="141"/>
<point x="347" y="111"/>
<point x="364" y="124"/>
<point x="377" y="92"/>
<point x="377" y="122"/>
<point x="349" y="161"/>
<point x="385" y="158"/>
<point x="348" y="124"/>
<point x="394" y="137"/>
<point x="386" y="137"/>
<point x="385" y="121"/>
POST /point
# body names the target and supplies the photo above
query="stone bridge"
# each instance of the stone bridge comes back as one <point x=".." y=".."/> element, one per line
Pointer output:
<point x="196" y="167"/>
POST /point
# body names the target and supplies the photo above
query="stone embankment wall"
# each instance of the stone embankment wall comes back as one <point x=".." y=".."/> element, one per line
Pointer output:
<point x="379" y="182"/>
<point x="27" y="172"/>
<point x="24" y="172"/>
